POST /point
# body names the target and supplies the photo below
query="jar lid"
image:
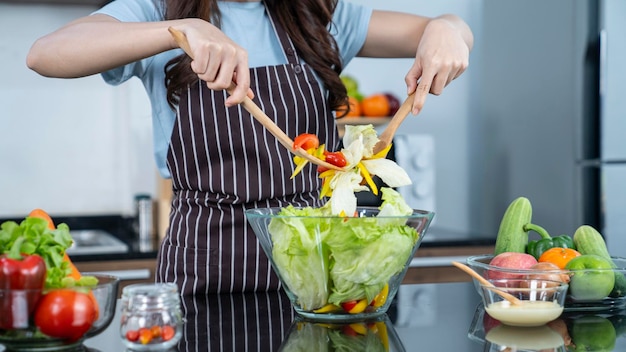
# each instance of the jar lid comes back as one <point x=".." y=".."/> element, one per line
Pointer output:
<point x="147" y="296"/>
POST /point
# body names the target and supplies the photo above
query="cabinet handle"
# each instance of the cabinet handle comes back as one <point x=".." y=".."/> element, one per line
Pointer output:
<point x="137" y="274"/>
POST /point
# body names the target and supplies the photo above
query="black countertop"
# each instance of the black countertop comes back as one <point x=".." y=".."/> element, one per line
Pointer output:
<point x="122" y="228"/>
<point x="423" y="317"/>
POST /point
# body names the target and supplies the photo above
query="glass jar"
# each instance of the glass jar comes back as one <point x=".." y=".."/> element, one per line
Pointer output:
<point x="151" y="316"/>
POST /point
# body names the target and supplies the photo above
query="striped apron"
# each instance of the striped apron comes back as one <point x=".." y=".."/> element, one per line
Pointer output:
<point x="222" y="162"/>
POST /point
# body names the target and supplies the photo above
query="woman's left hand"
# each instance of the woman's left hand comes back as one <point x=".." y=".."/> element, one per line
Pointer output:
<point x="442" y="55"/>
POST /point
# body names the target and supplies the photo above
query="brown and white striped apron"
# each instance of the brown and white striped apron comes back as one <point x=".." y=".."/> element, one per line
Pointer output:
<point x="222" y="162"/>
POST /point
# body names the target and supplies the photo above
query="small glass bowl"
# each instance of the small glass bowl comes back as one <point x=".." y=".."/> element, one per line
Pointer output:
<point x="480" y="264"/>
<point x="541" y="301"/>
<point x="27" y="336"/>
<point x="321" y="257"/>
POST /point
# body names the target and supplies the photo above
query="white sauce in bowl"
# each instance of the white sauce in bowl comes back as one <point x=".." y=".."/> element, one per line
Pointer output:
<point x="529" y="313"/>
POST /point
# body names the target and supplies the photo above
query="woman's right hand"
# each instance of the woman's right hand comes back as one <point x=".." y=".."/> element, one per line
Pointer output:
<point x="216" y="59"/>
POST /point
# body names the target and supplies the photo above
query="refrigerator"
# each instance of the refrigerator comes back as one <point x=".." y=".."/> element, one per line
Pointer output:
<point x="550" y="120"/>
<point x="608" y="140"/>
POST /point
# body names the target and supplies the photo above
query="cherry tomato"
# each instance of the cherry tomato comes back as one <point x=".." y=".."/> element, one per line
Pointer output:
<point x="145" y="336"/>
<point x="132" y="335"/>
<point x="306" y="141"/>
<point x="336" y="158"/>
<point x="156" y="331"/>
<point x="65" y="313"/>
<point x="167" y="332"/>
<point x="348" y="305"/>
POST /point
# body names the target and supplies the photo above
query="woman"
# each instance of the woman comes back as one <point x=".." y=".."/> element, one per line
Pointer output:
<point x="288" y="56"/>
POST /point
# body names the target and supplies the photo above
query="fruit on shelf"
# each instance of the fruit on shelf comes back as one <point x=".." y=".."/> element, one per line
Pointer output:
<point x="352" y="86"/>
<point x="375" y="105"/>
<point x="394" y="103"/>
<point x="354" y="111"/>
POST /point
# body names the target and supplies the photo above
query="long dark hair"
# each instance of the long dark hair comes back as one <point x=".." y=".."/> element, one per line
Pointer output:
<point x="305" y="21"/>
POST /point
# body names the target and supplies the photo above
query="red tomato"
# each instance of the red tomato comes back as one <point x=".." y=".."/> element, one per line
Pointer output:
<point x="132" y="335"/>
<point x="145" y="336"/>
<point x="167" y="332"/>
<point x="156" y="331"/>
<point x="306" y="141"/>
<point x="348" y="305"/>
<point x="65" y="313"/>
<point x="336" y="158"/>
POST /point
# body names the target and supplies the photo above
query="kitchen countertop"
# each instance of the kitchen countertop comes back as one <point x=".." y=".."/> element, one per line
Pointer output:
<point x="436" y="317"/>
<point x="121" y="228"/>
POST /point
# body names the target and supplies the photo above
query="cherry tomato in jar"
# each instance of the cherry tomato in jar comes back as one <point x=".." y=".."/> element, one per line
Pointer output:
<point x="65" y="313"/>
<point x="167" y="332"/>
<point x="132" y="335"/>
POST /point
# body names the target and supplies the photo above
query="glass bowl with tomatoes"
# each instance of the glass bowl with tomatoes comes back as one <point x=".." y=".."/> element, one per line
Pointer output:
<point x="339" y="268"/>
<point x="57" y="319"/>
<point x="595" y="282"/>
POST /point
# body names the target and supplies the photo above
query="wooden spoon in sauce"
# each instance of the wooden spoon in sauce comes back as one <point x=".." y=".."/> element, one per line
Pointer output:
<point x="514" y="300"/>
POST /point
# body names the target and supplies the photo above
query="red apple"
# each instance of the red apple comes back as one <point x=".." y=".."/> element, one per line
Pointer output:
<point x="510" y="260"/>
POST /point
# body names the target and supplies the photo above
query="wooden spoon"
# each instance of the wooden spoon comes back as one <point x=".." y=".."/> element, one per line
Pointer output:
<point x="258" y="114"/>
<point x="386" y="137"/>
<point x="509" y="297"/>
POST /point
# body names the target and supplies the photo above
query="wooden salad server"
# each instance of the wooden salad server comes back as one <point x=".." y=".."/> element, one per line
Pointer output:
<point x="386" y="137"/>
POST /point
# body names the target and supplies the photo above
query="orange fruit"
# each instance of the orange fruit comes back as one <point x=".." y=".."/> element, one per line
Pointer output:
<point x="559" y="256"/>
<point x="375" y="105"/>
<point x="353" y="111"/>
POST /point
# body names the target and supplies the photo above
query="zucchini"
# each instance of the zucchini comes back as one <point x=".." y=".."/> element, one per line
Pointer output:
<point x="512" y="234"/>
<point x="589" y="241"/>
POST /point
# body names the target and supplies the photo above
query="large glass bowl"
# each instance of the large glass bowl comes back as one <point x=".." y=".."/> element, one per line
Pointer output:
<point x="29" y="338"/>
<point x="480" y="263"/>
<point x="340" y="268"/>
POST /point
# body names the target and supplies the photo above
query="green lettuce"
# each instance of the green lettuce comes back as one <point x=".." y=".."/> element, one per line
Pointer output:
<point x="32" y="236"/>
<point x="329" y="259"/>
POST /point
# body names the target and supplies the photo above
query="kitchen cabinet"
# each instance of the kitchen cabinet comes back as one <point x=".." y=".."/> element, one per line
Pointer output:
<point x="130" y="271"/>
<point x="432" y="264"/>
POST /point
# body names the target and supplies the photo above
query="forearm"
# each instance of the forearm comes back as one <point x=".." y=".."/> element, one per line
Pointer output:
<point x="95" y="44"/>
<point x="398" y="35"/>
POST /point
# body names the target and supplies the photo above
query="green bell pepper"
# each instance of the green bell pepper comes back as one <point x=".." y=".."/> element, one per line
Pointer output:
<point x="537" y="247"/>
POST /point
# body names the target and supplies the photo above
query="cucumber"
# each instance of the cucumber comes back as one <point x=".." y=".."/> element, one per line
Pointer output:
<point x="589" y="241"/>
<point x="512" y="236"/>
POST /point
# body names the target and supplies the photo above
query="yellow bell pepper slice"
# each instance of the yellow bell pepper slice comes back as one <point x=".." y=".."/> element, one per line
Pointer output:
<point x="381" y="297"/>
<point x="329" y="308"/>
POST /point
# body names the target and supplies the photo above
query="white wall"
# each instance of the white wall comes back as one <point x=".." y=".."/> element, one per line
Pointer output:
<point x="68" y="146"/>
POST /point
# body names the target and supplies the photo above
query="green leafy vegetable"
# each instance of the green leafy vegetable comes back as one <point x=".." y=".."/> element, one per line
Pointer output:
<point x="329" y="259"/>
<point x="32" y="236"/>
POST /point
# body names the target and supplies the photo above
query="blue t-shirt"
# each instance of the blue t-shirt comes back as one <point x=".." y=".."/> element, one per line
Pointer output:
<point x="247" y="24"/>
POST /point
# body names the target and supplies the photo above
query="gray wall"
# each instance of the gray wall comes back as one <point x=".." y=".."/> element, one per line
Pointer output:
<point x="525" y="139"/>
